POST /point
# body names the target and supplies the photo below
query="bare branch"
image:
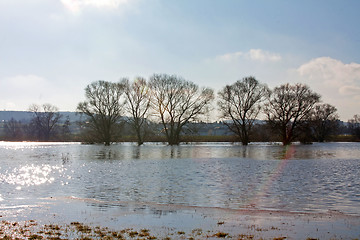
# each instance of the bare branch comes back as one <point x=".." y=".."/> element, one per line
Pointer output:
<point x="240" y="103"/>
<point x="103" y="109"/>
<point x="177" y="102"/>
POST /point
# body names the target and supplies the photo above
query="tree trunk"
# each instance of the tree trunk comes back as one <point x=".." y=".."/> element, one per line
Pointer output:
<point x="107" y="137"/>
<point x="286" y="135"/>
<point x="139" y="137"/>
<point x="174" y="139"/>
<point x="245" y="141"/>
<point x="244" y="135"/>
<point x="286" y="141"/>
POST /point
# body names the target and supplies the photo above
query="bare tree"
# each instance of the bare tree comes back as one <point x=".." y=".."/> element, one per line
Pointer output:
<point x="177" y="102"/>
<point x="324" y="121"/>
<point x="45" y="121"/>
<point x="65" y="130"/>
<point x="354" y="126"/>
<point x="138" y="97"/>
<point x="103" y="109"/>
<point x="13" y="130"/>
<point x="288" y="107"/>
<point x="241" y="103"/>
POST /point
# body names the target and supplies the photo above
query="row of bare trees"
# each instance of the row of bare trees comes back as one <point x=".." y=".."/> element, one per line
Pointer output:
<point x="171" y="99"/>
<point x="292" y="111"/>
<point x="45" y="125"/>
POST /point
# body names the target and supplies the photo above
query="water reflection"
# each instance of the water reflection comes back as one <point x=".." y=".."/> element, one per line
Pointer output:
<point x="261" y="151"/>
<point x="107" y="154"/>
<point x="136" y="152"/>
<point x="30" y="175"/>
<point x="298" y="177"/>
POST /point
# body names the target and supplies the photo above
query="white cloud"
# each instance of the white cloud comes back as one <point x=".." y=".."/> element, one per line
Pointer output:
<point x="76" y="6"/>
<point x="337" y="82"/>
<point x="263" y="56"/>
<point x="22" y="90"/>
<point x="25" y="81"/>
<point x="253" y="54"/>
<point x="230" y="56"/>
<point x="5" y="105"/>
<point x="332" y="73"/>
<point x="350" y="90"/>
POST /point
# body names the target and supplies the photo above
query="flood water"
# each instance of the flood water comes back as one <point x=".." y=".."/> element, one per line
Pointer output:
<point x="310" y="178"/>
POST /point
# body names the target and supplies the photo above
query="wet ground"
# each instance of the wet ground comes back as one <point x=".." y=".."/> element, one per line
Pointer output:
<point x="71" y="218"/>
<point x="199" y="191"/>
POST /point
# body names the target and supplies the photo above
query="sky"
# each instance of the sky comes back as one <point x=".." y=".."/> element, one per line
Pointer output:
<point x="50" y="50"/>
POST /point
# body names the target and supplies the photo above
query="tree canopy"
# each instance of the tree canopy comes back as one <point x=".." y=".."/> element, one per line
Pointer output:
<point x="177" y="101"/>
<point x="103" y="109"/>
<point x="324" y="121"/>
<point x="288" y="107"/>
<point x="241" y="103"/>
<point x="46" y="118"/>
<point x="138" y="96"/>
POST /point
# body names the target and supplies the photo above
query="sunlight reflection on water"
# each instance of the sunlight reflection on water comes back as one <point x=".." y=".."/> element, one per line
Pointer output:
<point x="314" y="177"/>
<point x="29" y="175"/>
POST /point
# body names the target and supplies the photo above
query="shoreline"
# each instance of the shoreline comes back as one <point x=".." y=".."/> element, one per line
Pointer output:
<point x="184" y="141"/>
<point x="70" y="216"/>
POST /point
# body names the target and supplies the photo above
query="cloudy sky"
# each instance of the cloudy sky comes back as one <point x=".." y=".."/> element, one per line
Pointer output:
<point x="51" y="49"/>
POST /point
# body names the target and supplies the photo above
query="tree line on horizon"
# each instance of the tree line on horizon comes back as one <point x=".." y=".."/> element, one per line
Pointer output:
<point x="292" y="112"/>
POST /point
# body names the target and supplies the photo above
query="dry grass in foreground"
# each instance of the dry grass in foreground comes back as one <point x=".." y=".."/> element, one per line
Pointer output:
<point x="75" y="230"/>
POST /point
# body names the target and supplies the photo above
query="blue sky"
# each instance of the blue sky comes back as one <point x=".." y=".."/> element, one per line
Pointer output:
<point x="50" y="50"/>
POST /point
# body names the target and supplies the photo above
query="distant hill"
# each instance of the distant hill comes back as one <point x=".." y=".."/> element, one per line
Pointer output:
<point x="25" y="116"/>
<point x="17" y="115"/>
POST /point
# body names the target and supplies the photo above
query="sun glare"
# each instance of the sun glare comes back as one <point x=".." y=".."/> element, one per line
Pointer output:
<point x="30" y="175"/>
<point x="76" y="6"/>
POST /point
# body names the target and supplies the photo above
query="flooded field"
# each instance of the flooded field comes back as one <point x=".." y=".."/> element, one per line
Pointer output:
<point x="318" y="178"/>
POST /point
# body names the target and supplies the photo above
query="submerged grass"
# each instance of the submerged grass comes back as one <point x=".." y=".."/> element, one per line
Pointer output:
<point x="75" y="230"/>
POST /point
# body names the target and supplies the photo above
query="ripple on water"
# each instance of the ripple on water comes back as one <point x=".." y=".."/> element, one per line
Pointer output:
<point x="30" y="175"/>
<point x="300" y="178"/>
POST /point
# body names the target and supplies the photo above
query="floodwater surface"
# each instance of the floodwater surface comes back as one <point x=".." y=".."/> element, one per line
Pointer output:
<point x="304" y="178"/>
